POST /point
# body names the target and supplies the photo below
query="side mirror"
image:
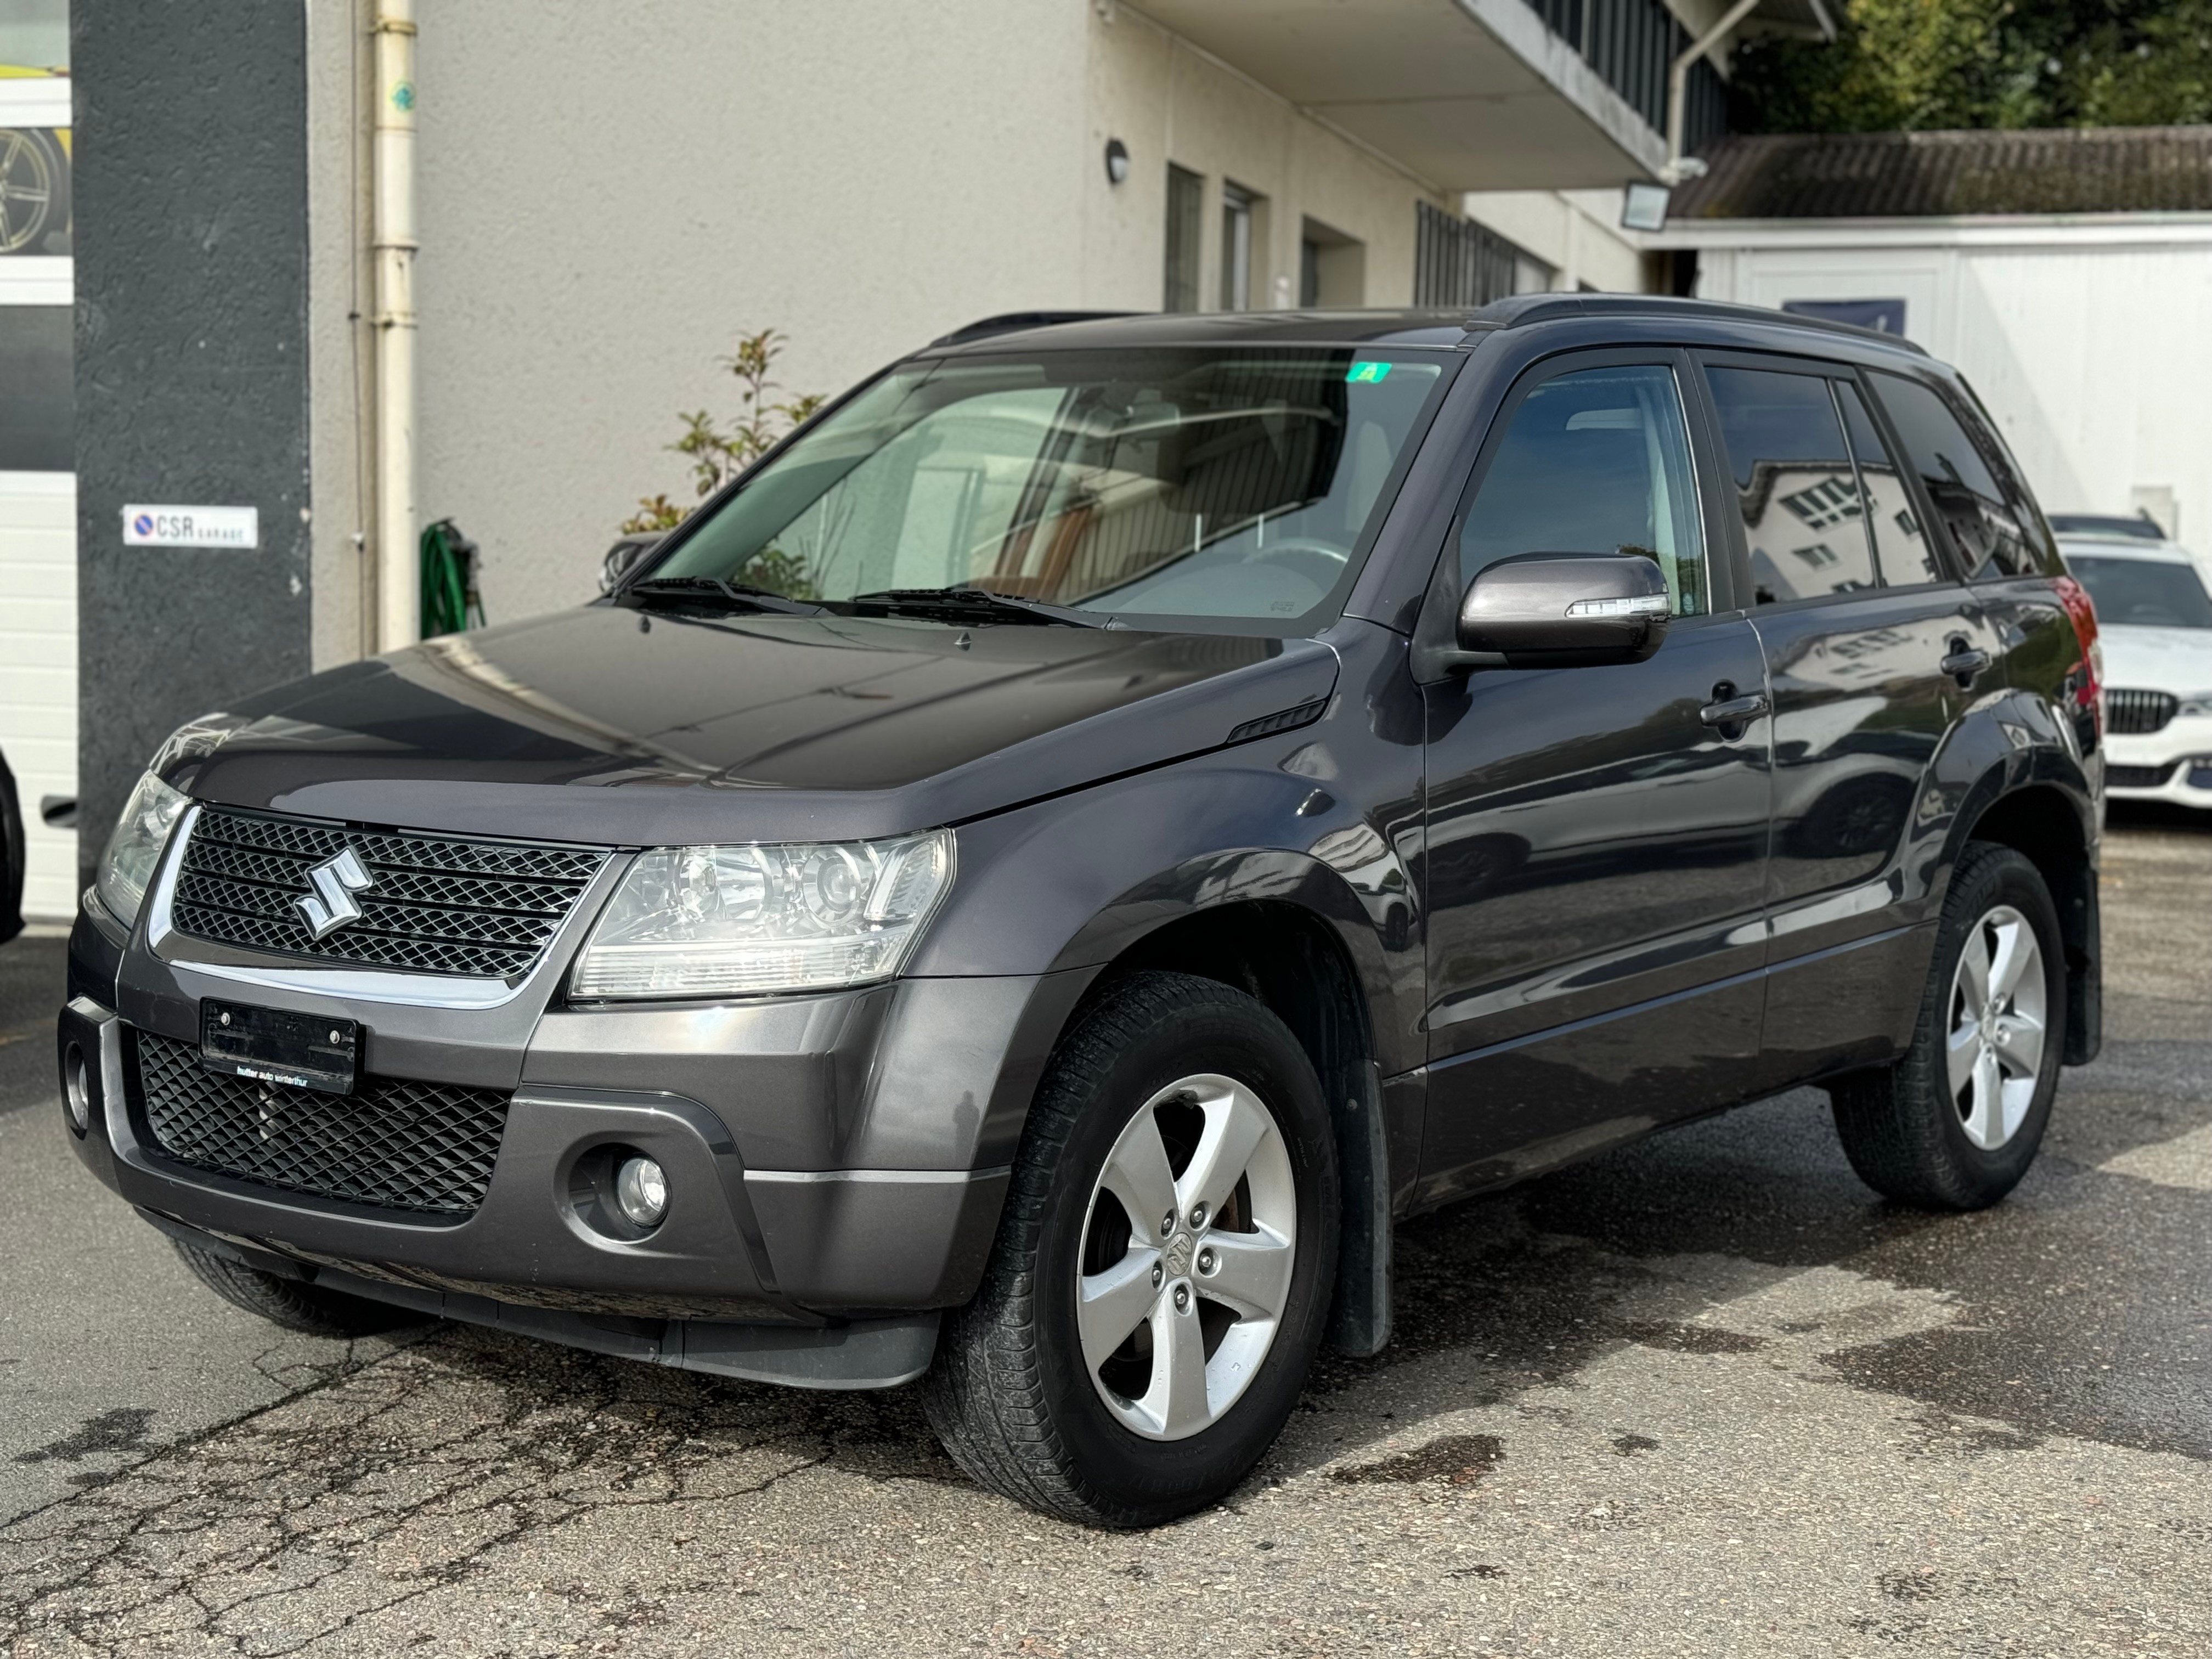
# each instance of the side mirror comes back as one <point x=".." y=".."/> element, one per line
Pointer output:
<point x="621" y="556"/>
<point x="1564" y="610"/>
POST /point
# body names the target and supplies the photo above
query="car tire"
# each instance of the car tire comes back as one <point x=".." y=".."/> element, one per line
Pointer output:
<point x="1955" y="1123"/>
<point x="290" y="1303"/>
<point x="1161" y="1064"/>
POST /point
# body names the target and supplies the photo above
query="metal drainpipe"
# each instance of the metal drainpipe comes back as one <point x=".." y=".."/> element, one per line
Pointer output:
<point x="1678" y="84"/>
<point x="399" y="576"/>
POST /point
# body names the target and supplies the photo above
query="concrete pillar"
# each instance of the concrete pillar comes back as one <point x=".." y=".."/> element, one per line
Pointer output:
<point x="192" y="369"/>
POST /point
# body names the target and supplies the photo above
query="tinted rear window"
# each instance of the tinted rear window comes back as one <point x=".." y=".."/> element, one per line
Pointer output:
<point x="1986" y="512"/>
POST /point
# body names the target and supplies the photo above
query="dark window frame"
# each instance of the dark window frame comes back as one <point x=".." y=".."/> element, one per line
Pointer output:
<point x="1436" y="626"/>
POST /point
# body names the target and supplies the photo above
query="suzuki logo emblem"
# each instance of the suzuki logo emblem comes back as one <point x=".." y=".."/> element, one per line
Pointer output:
<point x="330" y="906"/>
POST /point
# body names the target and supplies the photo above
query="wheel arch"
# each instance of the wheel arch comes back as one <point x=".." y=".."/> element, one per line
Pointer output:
<point x="1295" y="962"/>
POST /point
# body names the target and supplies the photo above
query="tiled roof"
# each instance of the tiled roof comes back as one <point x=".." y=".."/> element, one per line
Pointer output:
<point x="1888" y="176"/>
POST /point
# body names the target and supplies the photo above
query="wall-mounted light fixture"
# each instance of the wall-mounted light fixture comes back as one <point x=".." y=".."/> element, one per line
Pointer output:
<point x="1643" y="207"/>
<point x="1117" y="161"/>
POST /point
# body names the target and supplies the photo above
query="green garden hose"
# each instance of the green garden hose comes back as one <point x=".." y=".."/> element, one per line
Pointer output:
<point x="451" y="604"/>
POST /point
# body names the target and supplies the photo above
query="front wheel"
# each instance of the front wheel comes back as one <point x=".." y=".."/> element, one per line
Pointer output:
<point x="1956" y="1122"/>
<point x="1162" y="1274"/>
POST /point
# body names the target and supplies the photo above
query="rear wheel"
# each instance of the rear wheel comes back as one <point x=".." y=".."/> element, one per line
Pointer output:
<point x="293" y="1304"/>
<point x="1161" y="1272"/>
<point x="1957" y="1122"/>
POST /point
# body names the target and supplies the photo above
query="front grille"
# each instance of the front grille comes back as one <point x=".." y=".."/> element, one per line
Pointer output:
<point x="395" y="1144"/>
<point x="2138" y="714"/>
<point x="2138" y="777"/>
<point x="435" y="904"/>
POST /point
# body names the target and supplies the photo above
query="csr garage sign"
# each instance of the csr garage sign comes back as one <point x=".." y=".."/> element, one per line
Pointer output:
<point x="191" y="526"/>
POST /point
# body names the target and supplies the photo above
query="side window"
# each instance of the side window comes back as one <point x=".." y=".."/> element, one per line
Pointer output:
<point x="1902" y="555"/>
<point x="1979" y="514"/>
<point x="1595" y="461"/>
<point x="1795" y="483"/>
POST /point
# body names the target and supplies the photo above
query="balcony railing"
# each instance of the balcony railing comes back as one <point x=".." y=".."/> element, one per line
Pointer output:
<point x="1630" y="43"/>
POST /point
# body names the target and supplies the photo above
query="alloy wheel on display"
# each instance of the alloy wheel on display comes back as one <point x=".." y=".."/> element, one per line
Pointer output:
<point x="1997" y="1029"/>
<point x="27" y="193"/>
<point x="1188" y="1248"/>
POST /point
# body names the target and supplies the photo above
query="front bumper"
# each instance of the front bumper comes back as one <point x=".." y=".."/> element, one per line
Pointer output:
<point x="2173" y="763"/>
<point x="836" y="1163"/>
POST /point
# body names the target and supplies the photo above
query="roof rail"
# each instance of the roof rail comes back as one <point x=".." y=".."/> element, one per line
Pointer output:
<point x="1013" y="322"/>
<point x="1526" y="308"/>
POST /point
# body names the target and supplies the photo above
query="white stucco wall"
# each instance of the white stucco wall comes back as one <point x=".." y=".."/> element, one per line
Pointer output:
<point x="1170" y="103"/>
<point x="2086" y="340"/>
<point x="606" y="208"/>
<point x="1576" y="232"/>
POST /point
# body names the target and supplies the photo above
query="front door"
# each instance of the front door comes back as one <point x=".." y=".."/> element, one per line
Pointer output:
<point x="1595" y="843"/>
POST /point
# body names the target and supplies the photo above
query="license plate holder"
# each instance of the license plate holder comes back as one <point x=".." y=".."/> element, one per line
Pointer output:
<point x="281" y="1045"/>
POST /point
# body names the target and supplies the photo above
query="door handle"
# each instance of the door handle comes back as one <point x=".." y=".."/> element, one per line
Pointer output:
<point x="1733" y="711"/>
<point x="1964" y="662"/>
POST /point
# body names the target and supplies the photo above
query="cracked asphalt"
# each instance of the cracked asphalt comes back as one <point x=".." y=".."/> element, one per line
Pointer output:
<point x="1704" y="1395"/>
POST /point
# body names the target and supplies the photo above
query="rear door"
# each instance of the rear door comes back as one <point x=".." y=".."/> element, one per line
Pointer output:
<point x="1874" y="647"/>
<point x="1595" y="840"/>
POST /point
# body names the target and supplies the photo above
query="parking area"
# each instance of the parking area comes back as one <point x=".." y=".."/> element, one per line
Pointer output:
<point x="1705" y="1396"/>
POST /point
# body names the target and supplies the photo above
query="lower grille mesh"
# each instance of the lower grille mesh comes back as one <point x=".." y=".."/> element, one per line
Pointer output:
<point x="395" y="1144"/>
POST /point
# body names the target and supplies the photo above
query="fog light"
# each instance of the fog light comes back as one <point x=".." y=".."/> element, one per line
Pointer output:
<point x="76" y="1089"/>
<point x="642" y="1191"/>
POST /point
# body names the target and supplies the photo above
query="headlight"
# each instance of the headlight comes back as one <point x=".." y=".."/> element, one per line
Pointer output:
<point x="727" y="920"/>
<point x="136" y="847"/>
<point x="2198" y="705"/>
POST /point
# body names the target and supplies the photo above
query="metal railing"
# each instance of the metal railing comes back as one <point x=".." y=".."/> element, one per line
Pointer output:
<point x="1630" y="44"/>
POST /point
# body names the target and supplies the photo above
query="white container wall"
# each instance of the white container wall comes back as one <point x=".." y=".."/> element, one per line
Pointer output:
<point x="2087" y="337"/>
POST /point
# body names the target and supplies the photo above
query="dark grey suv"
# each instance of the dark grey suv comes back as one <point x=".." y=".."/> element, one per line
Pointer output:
<point x="1025" y="886"/>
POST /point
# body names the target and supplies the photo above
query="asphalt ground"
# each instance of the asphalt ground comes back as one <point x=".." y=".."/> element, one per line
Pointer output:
<point x="1704" y="1395"/>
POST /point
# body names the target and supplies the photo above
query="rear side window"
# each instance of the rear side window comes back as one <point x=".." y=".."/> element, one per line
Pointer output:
<point x="1595" y="461"/>
<point x="1795" y="483"/>
<point x="1988" y="522"/>
<point x="1901" y="551"/>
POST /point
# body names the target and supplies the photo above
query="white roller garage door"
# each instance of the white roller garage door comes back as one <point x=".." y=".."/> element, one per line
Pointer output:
<point x="38" y="566"/>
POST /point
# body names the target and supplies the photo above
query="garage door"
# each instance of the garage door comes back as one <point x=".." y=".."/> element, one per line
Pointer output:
<point x="38" y="568"/>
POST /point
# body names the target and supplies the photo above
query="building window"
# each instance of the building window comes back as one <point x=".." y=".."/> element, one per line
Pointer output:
<point x="1236" y="218"/>
<point x="1332" y="268"/>
<point x="1457" y="261"/>
<point x="1185" y="194"/>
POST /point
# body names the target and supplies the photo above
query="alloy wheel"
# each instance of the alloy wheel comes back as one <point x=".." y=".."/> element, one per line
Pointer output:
<point x="1188" y="1248"/>
<point x="1997" y="1028"/>
<point x="27" y="190"/>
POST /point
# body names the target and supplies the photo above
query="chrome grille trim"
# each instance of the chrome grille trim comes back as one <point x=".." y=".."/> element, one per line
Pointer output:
<point x="2133" y="714"/>
<point x="447" y="906"/>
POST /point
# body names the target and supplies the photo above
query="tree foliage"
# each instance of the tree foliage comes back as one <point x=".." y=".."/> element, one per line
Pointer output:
<point x="1921" y="65"/>
<point x="719" y="452"/>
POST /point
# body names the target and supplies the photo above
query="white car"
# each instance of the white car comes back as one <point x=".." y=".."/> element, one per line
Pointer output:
<point x="2154" y="621"/>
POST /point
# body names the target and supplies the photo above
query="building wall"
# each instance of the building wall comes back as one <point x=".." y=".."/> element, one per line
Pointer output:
<point x="606" y="209"/>
<point x="1576" y="232"/>
<point x="2086" y="343"/>
<point x="1169" y="102"/>
<point x="191" y="369"/>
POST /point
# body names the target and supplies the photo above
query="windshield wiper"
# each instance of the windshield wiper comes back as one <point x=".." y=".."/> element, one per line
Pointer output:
<point x="962" y="602"/>
<point x="756" y="598"/>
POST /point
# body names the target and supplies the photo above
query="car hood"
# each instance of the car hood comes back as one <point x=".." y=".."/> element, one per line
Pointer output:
<point x="2176" y="660"/>
<point x="614" y="726"/>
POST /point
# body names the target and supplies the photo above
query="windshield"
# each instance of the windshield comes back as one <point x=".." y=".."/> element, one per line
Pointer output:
<point x="2139" y="593"/>
<point x="1177" y="484"/>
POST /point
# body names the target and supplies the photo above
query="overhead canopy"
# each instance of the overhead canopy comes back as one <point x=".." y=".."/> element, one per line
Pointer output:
<point x="1471" y="94"/>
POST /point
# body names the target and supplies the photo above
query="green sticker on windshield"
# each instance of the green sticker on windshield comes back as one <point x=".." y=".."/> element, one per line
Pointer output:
<point x="1368" y="371"/>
